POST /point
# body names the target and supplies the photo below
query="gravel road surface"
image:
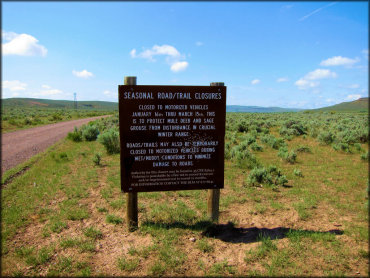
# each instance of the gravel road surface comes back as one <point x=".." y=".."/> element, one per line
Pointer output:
<point x="19" y="146"/>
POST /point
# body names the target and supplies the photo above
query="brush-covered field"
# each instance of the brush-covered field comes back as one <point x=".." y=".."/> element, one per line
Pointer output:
<point x="16" y="118"/>
<point x="295" y="203"/>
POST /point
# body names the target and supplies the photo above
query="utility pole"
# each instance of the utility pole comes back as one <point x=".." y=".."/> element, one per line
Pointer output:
<point x="75" y="101"/>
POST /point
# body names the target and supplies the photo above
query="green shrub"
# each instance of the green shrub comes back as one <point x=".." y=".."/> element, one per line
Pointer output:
<point x="363" y="135"/>
<point x="297" y="173"/>
<point x="227" y="153"/>
<point x="15" y="122"/>
<point x="97" y="159"/>
<point x="249" y="139"/>
<point x="342" y="147"/>
<point x="270" y="176"/>
<point x="242" y="126"/>
<point x="293" y="128"/>
<point x="326" y="137"/>
<point x="27" y="121"/>
<point x="358" y="147"/>
<point x="314" y="132"/>
<point x="303" y="149"/>
<point x="56" y="117"/>
<point x="254" y="146"/>
<point x="273" y="142"/>
<point x="63" y="156"/>
<point x="110" y="140"/>
<point x="75" y="136"/>
<point x="289" y="157"/>
<point x="259" y="176"/>
<point x="365" y="156"/>
<point x="244" y="158"/>
<point x="90" y="132"/>
<point x="277" y="176"/>
<point x="288" y="137"/>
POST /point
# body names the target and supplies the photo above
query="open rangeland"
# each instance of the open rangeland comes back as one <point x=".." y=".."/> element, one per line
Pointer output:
<point x="295" y="202"/>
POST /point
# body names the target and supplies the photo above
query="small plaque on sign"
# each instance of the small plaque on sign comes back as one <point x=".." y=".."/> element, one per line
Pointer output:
<point x="172" y="137"/>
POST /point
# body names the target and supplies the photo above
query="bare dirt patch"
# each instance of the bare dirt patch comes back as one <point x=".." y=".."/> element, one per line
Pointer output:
<point x="38" y="103"/>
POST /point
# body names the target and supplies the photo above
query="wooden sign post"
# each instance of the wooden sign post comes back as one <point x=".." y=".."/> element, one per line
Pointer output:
<point x="213" y="202"/>
<point x="131" y="200"/>
<point x="172" y="138"/>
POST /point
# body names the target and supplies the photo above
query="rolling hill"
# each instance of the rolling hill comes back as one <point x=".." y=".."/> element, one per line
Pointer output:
<point x="105" y="105"/>
<point x="360" y="105"/>
<point x="258" y="109"/>
<point x="61" y="104"/>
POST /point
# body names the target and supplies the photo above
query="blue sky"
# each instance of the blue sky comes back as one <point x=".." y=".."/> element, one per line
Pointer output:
<point x="287" y="54"/>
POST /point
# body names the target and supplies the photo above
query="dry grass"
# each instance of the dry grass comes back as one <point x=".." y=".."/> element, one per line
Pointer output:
<point x="322" y="216"/>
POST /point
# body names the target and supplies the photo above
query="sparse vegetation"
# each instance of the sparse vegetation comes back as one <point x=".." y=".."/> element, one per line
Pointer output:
<point x="113" y="219"/>
<point x="65" y="216"/>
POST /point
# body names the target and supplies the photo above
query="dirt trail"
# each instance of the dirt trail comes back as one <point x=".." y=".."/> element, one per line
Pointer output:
<point x="19" y="146"/>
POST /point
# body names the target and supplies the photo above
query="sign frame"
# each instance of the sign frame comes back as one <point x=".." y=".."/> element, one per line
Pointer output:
<point x="206" y="96"/>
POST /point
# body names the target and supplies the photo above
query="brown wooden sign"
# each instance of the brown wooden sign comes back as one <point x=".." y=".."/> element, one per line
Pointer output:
<point x="172" y="137"/>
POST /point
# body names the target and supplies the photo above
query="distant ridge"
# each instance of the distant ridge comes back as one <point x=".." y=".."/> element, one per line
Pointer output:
<point x="61" y="104"/>
<point x="106" y="105"/>
<point x="360" y="105"/>
<point x="258" y="109"/>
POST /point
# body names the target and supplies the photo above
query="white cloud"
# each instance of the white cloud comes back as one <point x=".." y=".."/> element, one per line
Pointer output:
<point x="179" y="66"/>
<point x="22" y="44"/>
<point x="107" y="93"/>
<point x="339" y="61"/>
<point x="255" y="81"/>
<point x="282" y="79"/>
<point x="353" y="97"/>
<point x="14" y="85"/>
<point x="320" y="74"/>
<point x="17" y="88"/>
<point x="8" y="36"/>
<point x="199" y="43"/>
<point x="133" y="53"/>
<point x="173" y="56"/>
<point x="167" y="50"/>
<point x="308" y="81"/>
<point x="47" y="91"/>
<point x="304" y="84"/>
<point x="82" y="74"/>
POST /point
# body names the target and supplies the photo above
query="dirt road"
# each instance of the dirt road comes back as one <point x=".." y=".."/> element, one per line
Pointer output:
<point x="19" y="146"/>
